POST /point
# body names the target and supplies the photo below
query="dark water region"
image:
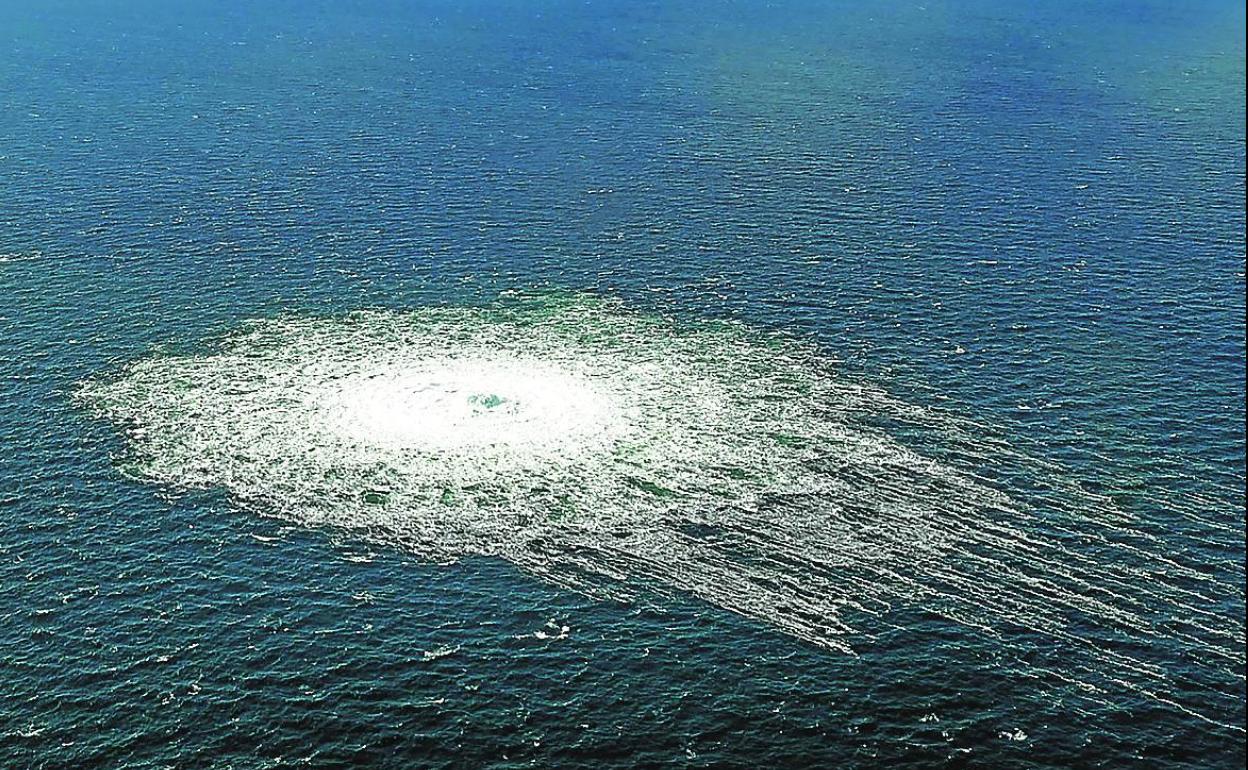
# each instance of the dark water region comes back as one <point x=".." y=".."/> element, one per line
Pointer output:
<point x="1031" y="220"/>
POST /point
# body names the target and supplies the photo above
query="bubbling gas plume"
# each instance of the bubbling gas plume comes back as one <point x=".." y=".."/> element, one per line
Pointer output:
<point x="610" y="451"/>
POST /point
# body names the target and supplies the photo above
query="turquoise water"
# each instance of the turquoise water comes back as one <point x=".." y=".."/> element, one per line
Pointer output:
<point x="1019" y="232"/>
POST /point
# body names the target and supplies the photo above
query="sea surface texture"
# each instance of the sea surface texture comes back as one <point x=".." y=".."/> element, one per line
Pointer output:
<point x="602" y="384"/>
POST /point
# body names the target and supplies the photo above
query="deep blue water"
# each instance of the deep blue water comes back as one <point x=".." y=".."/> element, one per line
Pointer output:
<point x="1030" y="217"/>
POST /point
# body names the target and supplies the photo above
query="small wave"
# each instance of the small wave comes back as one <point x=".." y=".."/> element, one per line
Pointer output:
<point x="440" y="652"/>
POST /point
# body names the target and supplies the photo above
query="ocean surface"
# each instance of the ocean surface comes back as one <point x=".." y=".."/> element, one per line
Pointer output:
<point x="622" y="384"/>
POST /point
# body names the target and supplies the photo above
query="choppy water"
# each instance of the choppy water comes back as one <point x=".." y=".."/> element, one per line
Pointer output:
<point x="613" y="385"/>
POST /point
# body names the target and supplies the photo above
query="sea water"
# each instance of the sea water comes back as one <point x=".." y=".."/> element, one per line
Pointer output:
<point x="601" y="384"/>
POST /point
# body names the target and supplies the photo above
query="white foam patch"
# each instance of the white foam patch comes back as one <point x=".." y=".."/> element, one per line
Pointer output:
<point x="451" y="405"/>
<point x="608" y="451"/>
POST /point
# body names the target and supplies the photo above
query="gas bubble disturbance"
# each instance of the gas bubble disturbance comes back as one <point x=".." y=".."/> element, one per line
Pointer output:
<point x="611" y="451"/>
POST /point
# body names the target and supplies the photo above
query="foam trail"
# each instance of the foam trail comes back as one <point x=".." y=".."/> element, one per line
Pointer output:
<point x="606" y="450"/>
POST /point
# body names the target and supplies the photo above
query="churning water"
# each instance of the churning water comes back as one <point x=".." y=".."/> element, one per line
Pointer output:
<point x="604" y="449"/>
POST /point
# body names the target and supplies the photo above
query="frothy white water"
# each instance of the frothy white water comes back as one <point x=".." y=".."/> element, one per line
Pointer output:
<point x="606" y="451"/>
<point x="499" y="405"/>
